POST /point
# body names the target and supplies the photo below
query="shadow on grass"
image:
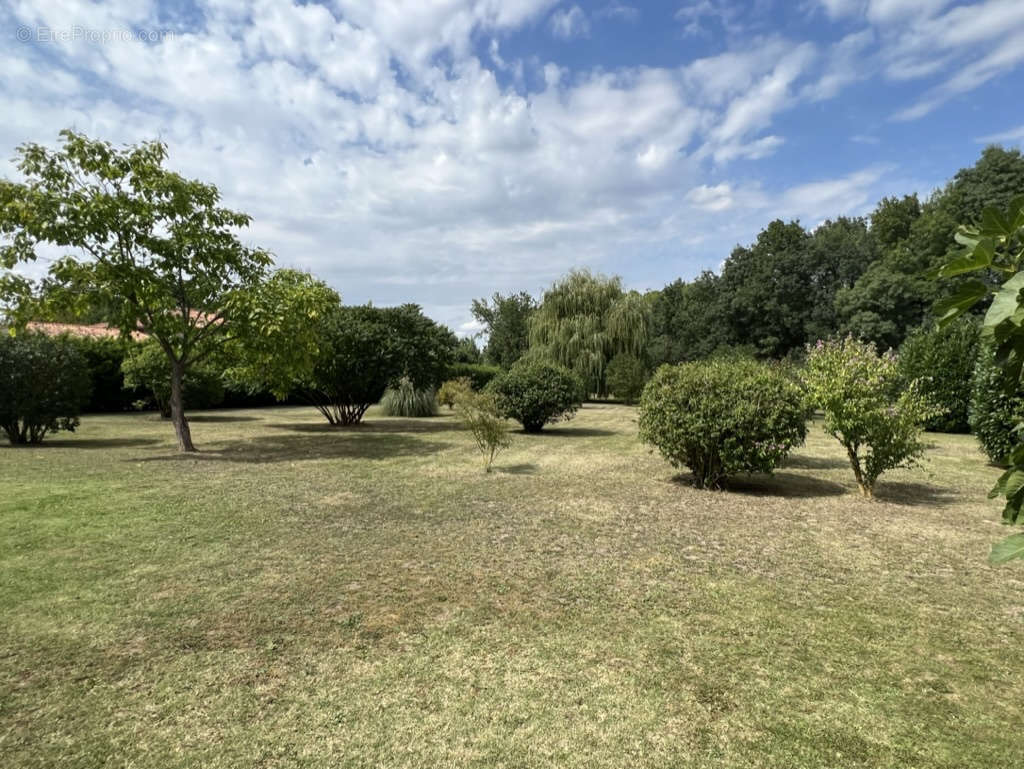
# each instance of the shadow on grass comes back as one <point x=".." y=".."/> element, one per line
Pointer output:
<point x="524" y="469"/>
<point x="95" y="443"/>
<point x="913" y="494"/>
<point x="815" y="463"/>
<point x="218" y="418"/>
<point x="571" y="432"/>
<point x="388" y="426"/>
<point x="336" y="444"/>
<point x="788" y="485"/>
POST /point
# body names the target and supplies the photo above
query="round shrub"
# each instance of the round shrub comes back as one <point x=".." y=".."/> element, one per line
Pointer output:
<point x="942" y="361"/>
<point x="995" y="409"/>
<point x="147" y="368"/>
<point x="535" y="392"/>
<point x="452" y="390"/>
<point x="44" y="383"/>
<point x="626" y="377"/>
<point x="722" y="417"/>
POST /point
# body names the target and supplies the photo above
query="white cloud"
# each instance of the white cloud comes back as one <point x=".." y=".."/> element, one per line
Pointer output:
<point x="618" y="10"/>
<point x="1003" y="137"/>
<point x="567" y="23"/>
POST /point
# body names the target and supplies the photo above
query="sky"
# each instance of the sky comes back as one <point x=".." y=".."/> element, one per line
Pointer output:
<point x="434" y="151"/>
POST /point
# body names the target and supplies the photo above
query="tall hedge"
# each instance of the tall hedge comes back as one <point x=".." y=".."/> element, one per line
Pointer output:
<point x="943" y="361"/>
<point x="995" y="408"/>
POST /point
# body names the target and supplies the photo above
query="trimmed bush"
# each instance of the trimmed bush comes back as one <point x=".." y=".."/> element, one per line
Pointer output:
<point x="869" y="409"/>
<point x="479" y="374"/>
<point x="722" y="417"/>
<point x="44" y="383"/>
<point x="536" y="392"/>
<point x="995" y="408"/>
<point x="104" y="356"/>
<point x="452" y="390"/>
<point x="404" y="400"/>
<point x="626" y="377"/>
<point x="942" y="361"/>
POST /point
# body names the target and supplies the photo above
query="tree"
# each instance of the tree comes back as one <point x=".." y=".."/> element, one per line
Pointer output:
<point x="155" y="248"/>
<point x="995" y="246"/>
<point x="868" y="408"/>
<point x="44" y="383"/>
<point x="767" y="290"/>
<point x="584" y="321"/>
<point x="146" y="367"/>
<point x="466" y="351"/>
<point x="506" y="320"/>
<point x="365" y="349"/>
<point x="892" y="219"/>
<point x="627" y="375"/>
<point x="687" y="320"/>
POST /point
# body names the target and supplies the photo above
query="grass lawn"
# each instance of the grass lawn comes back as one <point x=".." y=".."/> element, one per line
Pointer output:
<point x="301" y="596"/>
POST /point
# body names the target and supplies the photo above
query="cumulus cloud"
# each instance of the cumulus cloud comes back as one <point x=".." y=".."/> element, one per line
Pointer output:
<point x="568" y="23"/>
<point x="394" y="149"/>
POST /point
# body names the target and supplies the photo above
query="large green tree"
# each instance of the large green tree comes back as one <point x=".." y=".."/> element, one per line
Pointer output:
<point x="687" y="320"/>
<point x="506" y="321"/>
<point x="155" y="249"/>
<point x="584" y="321"/>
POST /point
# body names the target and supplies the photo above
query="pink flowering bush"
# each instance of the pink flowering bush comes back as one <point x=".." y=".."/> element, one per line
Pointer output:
<point x="869" y="407"/>
<point x="723" y="417"/>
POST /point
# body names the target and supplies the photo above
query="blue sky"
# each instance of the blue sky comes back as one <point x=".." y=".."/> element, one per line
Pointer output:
<point x="439" y="150"/>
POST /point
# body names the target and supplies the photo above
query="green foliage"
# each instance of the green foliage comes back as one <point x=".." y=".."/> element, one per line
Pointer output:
<point x="104" y="356"/>
<point x="478" y="374"/>
<point x="480" y="414"/>
<point x="584" y="321"/>
<point x="687" y="320"/>
<point x="146" y="368"/>
<point x="44" y="383"/>
<point x="535" y="392"/>
<point x="627" y="375"/>
<point x="943" y="362"/>
<point x="868" y="407"/>
<point x="995" y="246"/>
<point x="506" y="321"/>
<point x="466" y="351"/>
<point x="996" y="407"/>
<point x="163" y="256"/>
<point x="452" y="390"/>
<point x="364" y="350"/>
<point x="722" y="417"/>
<point x="405" y="400"/>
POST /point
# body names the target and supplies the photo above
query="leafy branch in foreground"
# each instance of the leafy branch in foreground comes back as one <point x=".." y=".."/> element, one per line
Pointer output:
<point x="995" y="247"/>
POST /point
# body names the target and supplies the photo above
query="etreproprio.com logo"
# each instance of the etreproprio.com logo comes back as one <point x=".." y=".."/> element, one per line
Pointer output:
<point x="76" y="34"/>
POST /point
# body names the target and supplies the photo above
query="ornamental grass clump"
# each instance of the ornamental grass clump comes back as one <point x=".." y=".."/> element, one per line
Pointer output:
<point x="404" y="400"/>
<point x="722" y="417"/>
<point x="869" y="407"/>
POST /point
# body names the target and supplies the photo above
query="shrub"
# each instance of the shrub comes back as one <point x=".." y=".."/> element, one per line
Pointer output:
<point x="626" y="377"/>
<point x="869" y="408"/>
<point x="404" y="400"/>
<point x="534" y="392"/>
<point x="450" y="391"/>
<point x="995" y="408"/>
<point x="478" y="374"/>
<point x="44" y="383"/>
<point x="146" y="367"/>
<point x="479" y="412"/>
<point x="722" y="417"/>
<point x="942" y="361"/>
<point x="365" y="349"/>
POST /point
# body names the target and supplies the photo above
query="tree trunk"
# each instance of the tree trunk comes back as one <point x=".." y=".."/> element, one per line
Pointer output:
<point x="178" y="407"/>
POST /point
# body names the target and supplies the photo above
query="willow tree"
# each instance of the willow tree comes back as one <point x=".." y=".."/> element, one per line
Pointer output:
<point x="585" y="320"/>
